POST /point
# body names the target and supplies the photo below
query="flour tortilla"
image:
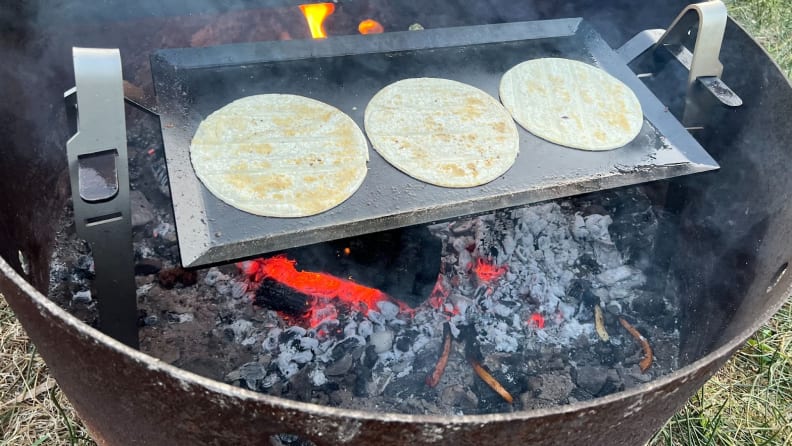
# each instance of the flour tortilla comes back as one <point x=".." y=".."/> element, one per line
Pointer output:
<point x="442" y="132"/>
<point x="572" y="104"/>
<point x="280" y="155"/>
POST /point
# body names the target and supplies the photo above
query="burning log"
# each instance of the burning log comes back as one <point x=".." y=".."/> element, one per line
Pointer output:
<point x="599" y="324"/>
<point x="434" y="378"/>
<point x="648" y="355"/>
<point x="278" y="297"/>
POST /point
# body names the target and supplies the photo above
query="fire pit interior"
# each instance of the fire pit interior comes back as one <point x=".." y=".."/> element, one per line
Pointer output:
<point x="558" y="299"/>
<point x="521" y="308"/>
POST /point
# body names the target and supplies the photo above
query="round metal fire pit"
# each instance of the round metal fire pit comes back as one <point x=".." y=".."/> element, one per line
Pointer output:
<point x="730" y="252"/>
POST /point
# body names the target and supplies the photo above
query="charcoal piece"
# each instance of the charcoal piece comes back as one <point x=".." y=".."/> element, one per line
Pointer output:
<point x="142" y="316"/>
<point x="594" y="209"/>
<point x="580" y="395"/>
<point x="340" y="366"/>
<point x="609" y="354"/>
<point x="289" y="440"/>
<point x="467" y="334"/>
<point x="590" y="378"/>
<point x="588" y="263"/>
<point x="142" y="211"/>
<point x="275" y="296"/>
<point x="340" y="397"/>
<point x="529" y="402"/>
<point x="613" y="384"/>
<point x="168" y="278"/>
<point x="301" y="386"/>
<point x="580" y="290"/>
<point x="370" y="357"/>
<point x="403" y="344"/>
<point x="556" y="386"/>
<point x="144" y="267"/>
<point x="362" y="379"/>
<point x="534" y="384"/>
<point x="347" y="346"/>
<point x="458" y="396"/>
<point x="251" y="374"/>
<point x="85" y="267"/>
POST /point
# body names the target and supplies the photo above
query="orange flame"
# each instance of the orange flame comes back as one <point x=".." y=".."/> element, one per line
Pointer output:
<point x="321" y="286"/>
<point x="315" y="14"/>
<point x="488" y="272"/>
<point x="370" y="26"/>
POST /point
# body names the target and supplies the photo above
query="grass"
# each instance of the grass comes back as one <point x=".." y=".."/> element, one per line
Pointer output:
<point x="770" y="23"/>
<point x="749" y="402"/>
<point x="33" y="411"/>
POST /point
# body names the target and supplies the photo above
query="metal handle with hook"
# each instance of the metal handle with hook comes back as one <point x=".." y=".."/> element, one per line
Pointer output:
<point x="703" y="62"/>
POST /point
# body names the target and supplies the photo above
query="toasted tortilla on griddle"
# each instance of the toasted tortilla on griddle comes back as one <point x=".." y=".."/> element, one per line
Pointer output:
<point x="571" y="103"/>
<point x="442" y="132"/>
<point x="280" y="155"/>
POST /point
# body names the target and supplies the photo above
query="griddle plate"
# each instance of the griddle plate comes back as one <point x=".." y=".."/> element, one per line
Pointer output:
<point x="346" y="72"/>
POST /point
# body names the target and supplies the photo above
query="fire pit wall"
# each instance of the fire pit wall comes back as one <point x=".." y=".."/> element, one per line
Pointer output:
<point x="727" y="245"/>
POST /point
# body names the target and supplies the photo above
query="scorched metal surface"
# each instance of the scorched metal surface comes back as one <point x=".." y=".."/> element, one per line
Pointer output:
<point x="346" y="72"/>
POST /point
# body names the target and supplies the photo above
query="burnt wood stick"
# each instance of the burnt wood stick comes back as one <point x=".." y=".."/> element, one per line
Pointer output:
<point x="434" y="378"/>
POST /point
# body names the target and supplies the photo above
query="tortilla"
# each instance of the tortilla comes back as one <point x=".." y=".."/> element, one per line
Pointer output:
<point x="280" y="155"/>
<point x="442" y="132"/>
<point x="572" y="104"/>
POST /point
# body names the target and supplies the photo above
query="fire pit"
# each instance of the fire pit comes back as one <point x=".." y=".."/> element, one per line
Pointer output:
<point x="594" y="314"/>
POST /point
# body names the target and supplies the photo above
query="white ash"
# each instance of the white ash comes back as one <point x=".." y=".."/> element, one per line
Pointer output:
<point x="143" y="289"/>
<point x="541" y="246"/>
<point x="241" y="330"/>
<point x="180" y="318"/>
<point x="213" y="276"/>
<point x="382" y="341"/>
<point x="83" y="296"/>
<point x="239" y="289"/>
<point x="164" y="230"/>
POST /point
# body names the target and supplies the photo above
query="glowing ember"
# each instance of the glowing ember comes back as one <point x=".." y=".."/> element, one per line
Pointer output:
<point x="536" y="321"/>
<point x="315" y="14"/>
<point x="319" y="286"/>
<point x="488" y="272"/>
<point x="370" y="26"/>
<point x="439" y="294"/>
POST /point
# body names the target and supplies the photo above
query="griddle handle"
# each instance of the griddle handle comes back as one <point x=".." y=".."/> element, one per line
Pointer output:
<point x="99" y="174"/>
<point x="710" y="19"/>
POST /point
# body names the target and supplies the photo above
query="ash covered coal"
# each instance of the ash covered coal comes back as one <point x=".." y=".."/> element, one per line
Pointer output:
<point x="522" y="283"/>
<point x="524" y="286"/>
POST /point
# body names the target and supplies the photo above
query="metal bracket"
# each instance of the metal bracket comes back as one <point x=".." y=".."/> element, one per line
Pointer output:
<point x="99" y="173"/>
<point x="707" y="21"/>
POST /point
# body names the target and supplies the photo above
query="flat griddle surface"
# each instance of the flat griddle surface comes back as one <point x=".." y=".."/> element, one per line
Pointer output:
<point x="346" y="72"/>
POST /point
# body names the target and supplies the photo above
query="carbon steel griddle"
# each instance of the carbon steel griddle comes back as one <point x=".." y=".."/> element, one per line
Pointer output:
<point x="346" y="71"/>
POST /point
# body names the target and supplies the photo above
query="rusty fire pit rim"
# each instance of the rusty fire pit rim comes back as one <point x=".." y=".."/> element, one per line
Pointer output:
<point x="191" y="379"/>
